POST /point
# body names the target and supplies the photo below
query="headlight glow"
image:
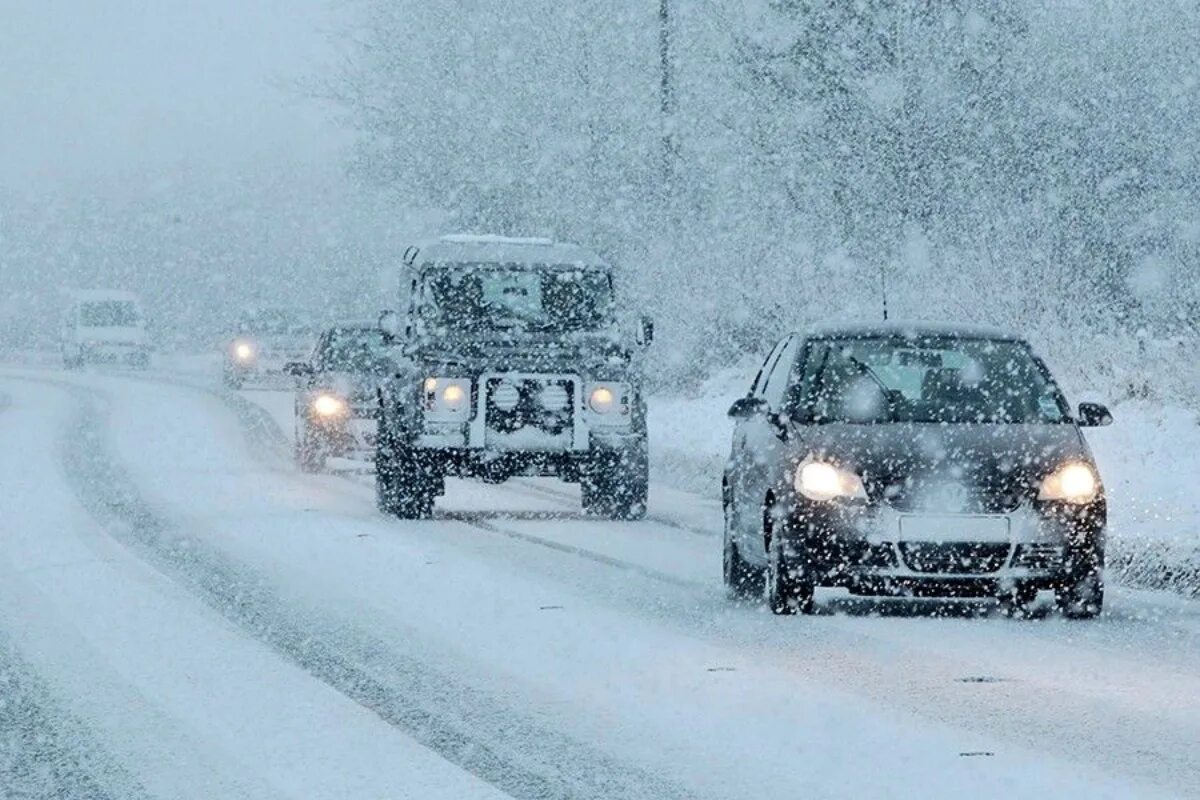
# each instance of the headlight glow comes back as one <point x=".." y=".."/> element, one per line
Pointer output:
<point x="326" y="405"/>
<point x="243" y="351"/>
<point x="453" y="396"/>
<point x="1072" y="483"/>
<point x="602" y="400"/>
<point x="821" y="481"/>
<point x="448" y="398"/>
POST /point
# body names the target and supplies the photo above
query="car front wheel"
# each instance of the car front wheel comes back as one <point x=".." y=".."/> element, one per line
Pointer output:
<point x="789" y="586"/>
<point x="1081" y="597"/>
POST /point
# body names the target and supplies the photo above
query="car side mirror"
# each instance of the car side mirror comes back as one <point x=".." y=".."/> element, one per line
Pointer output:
<point x="1094" y="415"/>
<point x="645" y="331"/>
<point x="747" y="407"/>
<point x="389" y="323"/>
<point x="298" y="369"/>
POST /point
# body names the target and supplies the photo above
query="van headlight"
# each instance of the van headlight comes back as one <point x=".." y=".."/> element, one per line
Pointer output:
<point x="446" y="398"/>
<point x="1075" y="482"/>
<point x="823" y="482"/>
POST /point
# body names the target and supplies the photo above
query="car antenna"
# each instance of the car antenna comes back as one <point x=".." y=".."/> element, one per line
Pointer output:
<point x="883" y="288"/>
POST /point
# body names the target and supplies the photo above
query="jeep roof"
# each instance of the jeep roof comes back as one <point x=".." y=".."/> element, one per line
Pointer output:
<point x="476" y="249"/>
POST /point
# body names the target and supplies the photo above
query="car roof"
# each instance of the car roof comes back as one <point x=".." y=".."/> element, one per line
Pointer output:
<point x="908" y="329"/>
<point x="487" y="248"/>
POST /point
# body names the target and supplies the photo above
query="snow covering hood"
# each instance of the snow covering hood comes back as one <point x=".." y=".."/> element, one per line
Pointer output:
<point x="597" y="354"/>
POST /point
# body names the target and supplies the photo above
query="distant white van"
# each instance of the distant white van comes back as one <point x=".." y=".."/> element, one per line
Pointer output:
<point x="104" y="326"/>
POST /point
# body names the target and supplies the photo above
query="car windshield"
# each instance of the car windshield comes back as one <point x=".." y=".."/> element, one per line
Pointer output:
<point x="355" y="350"/>
<point x="109" y="314"/>
<point x="943" y="380"/>
<point x="481" y="297"/>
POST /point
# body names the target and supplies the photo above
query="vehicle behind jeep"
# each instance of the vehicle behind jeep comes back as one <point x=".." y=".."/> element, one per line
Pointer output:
<point x="104" y="326"/>
<point x="511" y="361"/>
<point x="263" y="340"/>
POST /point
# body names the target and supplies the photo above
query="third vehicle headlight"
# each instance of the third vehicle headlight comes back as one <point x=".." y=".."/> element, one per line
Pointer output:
<point x="243" y="351"/>
<point x="1075" y="482"/>
<point x="822" y="481"/>
<point x="328" y="405"/>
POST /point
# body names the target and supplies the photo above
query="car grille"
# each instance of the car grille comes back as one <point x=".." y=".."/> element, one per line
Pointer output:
<point x="955" y="558"/>
<point x="547" y="404"/>
<point x="975" y="499"/>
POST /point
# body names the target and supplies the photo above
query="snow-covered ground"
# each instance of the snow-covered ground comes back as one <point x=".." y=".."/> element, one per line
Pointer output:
<point x="188" y="616"/>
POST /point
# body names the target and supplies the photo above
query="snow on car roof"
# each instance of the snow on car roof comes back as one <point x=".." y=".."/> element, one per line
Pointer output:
<point x="486" y="248"/>
<point x="909" y="329"/>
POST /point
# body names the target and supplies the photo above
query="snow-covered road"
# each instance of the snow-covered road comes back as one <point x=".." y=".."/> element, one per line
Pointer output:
<point x="182" y="614"/>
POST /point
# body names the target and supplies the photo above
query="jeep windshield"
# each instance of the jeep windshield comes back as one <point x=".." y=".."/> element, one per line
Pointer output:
<point x="478" y="298"/>
<point x="943" y="380"/>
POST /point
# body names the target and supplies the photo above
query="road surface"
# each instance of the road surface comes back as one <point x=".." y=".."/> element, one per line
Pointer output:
<point x="184" y="614"/>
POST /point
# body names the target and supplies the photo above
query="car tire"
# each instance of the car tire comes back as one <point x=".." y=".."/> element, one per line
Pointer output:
<point x="1081" y="597"/>
<point x="743" y="581"/>
<point x="310" y="456"/>
<point x="1018" y="602"/>
<point x="789" y="589"/>
<point x="616" y="486"/>
<point x="403" y="488"/>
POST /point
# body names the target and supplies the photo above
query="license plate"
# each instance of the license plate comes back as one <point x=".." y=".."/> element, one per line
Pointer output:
<point x="954" y="528"/>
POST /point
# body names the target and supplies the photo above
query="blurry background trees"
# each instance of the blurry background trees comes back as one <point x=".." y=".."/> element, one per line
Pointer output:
<point x="1032" y="164"/>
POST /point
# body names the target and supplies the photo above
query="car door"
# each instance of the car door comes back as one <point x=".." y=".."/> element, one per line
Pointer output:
<point x="760" y="440"/>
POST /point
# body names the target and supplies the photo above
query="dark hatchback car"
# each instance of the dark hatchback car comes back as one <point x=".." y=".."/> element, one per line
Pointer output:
<point x="337" y="401"/>
<point x="912" y="460"/>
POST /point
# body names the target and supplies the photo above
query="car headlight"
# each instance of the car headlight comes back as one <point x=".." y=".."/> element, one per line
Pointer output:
<point x="447" y="397"/>
<point x="243" y="351"/>
<point x="328" y="405"/>
<point x="1071" y="483"/>
<point x="822" y="481"/>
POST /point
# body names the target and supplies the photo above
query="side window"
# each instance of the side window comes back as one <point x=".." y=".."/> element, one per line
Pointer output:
<point x="761" y="378"/>
<point x="320" y="353"/>
<point x="777" y="382"/>
<point x="803" y="390"/>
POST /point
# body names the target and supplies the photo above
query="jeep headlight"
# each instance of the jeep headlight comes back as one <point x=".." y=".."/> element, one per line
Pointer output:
<point x="608" y="399"/>
<point x="446" y="398"/>
<point x="328" y="405"/>
<point x="1075" y="482"/>
<point x="823" y="482"/>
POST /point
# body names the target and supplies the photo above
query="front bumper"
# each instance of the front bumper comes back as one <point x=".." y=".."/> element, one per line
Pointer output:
<point x="873" y="549"/>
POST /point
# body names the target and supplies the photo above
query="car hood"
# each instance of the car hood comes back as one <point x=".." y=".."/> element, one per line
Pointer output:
<point x="952" y="468"/>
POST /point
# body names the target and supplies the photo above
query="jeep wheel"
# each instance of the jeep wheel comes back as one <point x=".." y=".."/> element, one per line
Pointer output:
<point x="743" y="581"/>
<point x="403" y="488"/>
<point x="789" y="589"/>
<point x="616" y="486"/>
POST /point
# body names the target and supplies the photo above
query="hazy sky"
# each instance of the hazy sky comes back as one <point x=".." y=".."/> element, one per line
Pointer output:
<point x="101" y="89"/>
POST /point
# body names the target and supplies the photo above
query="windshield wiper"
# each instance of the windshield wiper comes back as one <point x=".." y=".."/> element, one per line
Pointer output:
<point x="888" y="397"/>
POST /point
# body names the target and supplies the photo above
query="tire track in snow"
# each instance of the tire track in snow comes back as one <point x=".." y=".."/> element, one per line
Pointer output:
<point x="463" y="725"/>
<point x="44" y="751"/>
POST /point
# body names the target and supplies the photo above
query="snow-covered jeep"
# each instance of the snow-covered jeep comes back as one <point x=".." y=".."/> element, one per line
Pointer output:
<point x="510" y="360"/>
